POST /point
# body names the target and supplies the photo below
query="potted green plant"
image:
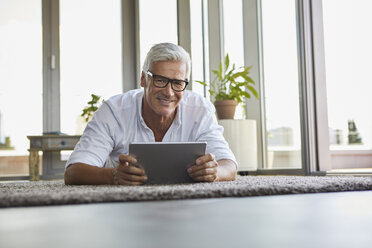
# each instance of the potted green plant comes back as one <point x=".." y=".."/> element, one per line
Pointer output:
<point x="230" y="87"/>
<point x="93" y="105"/>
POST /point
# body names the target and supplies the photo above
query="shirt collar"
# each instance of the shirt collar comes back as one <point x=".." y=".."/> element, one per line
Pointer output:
<point x="139" y="108"/>
<point x="177" y="118"/>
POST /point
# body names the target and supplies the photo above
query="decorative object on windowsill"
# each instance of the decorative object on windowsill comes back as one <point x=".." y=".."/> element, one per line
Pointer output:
<point x="353" y="136"/>
<point x="93" y="105"/>
<point x="230" y="87"/>
<point x="6" y="145"/>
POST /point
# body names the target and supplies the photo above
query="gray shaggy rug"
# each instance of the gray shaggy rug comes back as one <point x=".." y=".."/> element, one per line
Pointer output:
<point x="15" y="194"/>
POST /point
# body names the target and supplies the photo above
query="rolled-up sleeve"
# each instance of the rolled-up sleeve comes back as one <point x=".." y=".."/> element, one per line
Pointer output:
<point x="98" y="139"/>
<point x="212" y="133"/>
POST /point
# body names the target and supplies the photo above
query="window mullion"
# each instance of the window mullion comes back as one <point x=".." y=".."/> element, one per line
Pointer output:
<point x="184" y="28"/>
<point x="320" y="89"/>
<point x="314" y="119"/>
<point x="215" y="34"/>
<point x="53" y="167"/>
<point x="51" y="66"/>
<point x="131" y="68"/>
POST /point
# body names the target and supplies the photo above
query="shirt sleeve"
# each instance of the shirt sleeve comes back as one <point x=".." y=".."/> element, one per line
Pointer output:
<point x="97" y="141"/>
<point x="212" y="133"/>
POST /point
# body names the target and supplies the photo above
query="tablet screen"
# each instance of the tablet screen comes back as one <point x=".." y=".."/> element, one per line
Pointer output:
<point x="167" y="162"/>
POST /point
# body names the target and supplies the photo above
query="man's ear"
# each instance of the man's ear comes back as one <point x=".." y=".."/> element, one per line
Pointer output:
<point x="143" y="80"/>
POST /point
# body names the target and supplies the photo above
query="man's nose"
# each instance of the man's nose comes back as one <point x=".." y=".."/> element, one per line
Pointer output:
<point x="168" y="89"/>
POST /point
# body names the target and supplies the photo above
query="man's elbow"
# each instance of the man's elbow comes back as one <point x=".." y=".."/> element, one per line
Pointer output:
<point x="68" y="175"/>
<point x="234" y="172"/>
<point x="228" y="170"/>
<point x="232" y="168"/>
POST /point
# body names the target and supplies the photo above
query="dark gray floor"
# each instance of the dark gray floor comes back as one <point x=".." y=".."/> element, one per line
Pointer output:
<point x="309" y="220"/>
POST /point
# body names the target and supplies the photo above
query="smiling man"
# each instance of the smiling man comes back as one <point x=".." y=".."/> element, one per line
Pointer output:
<point x="162" y="111"/>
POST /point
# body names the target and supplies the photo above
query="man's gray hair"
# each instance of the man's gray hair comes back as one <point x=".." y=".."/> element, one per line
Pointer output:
<point x="167" y="52"/>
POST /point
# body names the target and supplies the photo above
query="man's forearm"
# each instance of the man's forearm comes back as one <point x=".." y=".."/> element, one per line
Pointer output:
<point x="79" y="173"/>
<point x="226" y="170"/>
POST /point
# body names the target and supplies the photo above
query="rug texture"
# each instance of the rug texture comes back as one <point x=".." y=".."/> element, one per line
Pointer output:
<point x="41" y="193"/>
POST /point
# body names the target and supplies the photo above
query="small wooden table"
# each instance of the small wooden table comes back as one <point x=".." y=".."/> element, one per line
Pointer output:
<point x="47" y="143"/>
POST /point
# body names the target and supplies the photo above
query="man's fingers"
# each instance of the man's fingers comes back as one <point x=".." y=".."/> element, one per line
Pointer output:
<point x="207" y="178"/>
<point x="204" y="159"/>
<point x="195" y="168"/>
<point x="127" y="158"/>
<point x="129" y="169"/>
<point x="125" y="182"/>
<point x="206" y="171"/>
<point x="127" y="173"/>
<point x="133" y="178"/>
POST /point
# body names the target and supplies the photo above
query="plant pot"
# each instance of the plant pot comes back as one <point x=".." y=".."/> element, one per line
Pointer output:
<point x="225" y="109"/>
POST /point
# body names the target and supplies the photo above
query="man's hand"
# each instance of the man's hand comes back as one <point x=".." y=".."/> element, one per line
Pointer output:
<point x="126" y="173"/>
<point x="205" y="169"/>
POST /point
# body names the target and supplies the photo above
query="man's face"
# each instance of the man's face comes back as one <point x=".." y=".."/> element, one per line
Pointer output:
<point x="163" y="101"/>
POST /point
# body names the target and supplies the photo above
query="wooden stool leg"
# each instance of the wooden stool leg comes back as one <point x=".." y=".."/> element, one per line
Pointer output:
<point x="34" y="165"/>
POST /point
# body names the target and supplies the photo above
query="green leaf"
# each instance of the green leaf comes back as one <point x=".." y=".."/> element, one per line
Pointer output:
<point x="220" y="71"/>
<point x="201" y="82"/>
<point x="253" y="90"/>
<point x="241" y="84"/>
<point x="227" y="62"/>
<point x="227" y="76"/>
<point x="92" y="107"/>
<point x="246" y="69"/>
<point x="238" y="74"/>
<point x="246" y="94"/>
<point x="248" y="79"/>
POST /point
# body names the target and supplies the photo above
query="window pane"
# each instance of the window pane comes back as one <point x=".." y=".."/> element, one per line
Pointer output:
<point x="233" y="31"/>
<point x="281" y="84"/>
<point x="233" y="38"/>
<point x="90" y="34"/>
<point x="199" y="45"/>
<point x="20" y="82"/>
<point x="348" y="53"/>
<point x="158" y="23"/>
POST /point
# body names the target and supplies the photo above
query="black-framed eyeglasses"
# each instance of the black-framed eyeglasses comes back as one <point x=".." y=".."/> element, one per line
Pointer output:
<point x="162" y="82"/>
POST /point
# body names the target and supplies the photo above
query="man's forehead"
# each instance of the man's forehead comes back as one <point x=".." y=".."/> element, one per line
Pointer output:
<point x="172" y="67"/>
<point x="170" y="62"/>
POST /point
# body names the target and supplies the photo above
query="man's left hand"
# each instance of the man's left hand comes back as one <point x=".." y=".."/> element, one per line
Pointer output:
<point x="205" y="169"/>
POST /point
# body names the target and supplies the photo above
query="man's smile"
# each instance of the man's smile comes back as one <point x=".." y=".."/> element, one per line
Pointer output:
<point x="165" y="100"/>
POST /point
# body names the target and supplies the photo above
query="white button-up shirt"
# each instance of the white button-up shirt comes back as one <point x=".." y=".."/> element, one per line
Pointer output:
<point x="118" y="122"/>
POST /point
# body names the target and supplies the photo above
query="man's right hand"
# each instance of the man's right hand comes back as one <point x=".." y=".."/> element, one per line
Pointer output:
<point x="128" y="174"/>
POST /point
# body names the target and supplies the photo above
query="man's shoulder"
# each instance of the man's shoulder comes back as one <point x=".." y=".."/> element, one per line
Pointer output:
<point x="193" y="99"/>
<point x="193" y="104"/>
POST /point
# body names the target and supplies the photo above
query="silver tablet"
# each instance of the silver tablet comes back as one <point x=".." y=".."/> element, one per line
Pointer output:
<point x="167" y="162"/>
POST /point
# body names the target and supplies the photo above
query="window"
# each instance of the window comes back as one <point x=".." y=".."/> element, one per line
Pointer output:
<point x="199" y="45"/>
<point x="158" y="23"/>
<point x="233" y="31"/>
<point x="233" y="38"/>
<point x="90" y="49"/>
<point x="348" y="53"/>
<point x="281" y="84"/>
<point x="20" y="82"/>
